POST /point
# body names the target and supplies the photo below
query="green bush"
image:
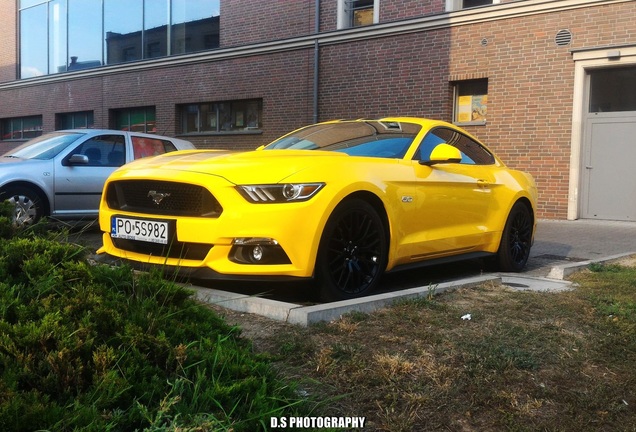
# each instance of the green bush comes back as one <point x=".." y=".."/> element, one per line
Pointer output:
<point x="98" y="348"/>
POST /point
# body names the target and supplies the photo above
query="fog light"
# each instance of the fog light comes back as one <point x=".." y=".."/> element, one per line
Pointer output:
<point x="257" y="250"/>
<point x="257" y="253"/>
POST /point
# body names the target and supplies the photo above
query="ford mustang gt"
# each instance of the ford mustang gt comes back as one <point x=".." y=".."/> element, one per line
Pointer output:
<point x="339" y="202"/>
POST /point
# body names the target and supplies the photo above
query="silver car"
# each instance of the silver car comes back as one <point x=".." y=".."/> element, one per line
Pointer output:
<point x="61" y="174"/>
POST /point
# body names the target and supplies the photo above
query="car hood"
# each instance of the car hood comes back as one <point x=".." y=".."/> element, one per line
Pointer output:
<point x="261" y="166"/>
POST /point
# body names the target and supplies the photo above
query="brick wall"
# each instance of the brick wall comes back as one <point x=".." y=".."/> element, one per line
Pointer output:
<point x="8" y="45"/>
<point x="404" y="75"/>
<point x="530" y="87"/>
<point x="250" y="21"/>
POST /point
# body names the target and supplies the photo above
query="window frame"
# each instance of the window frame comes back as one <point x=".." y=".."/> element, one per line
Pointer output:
<point x="216" y="115"/>
<point x="346" y="14"/>
<point x="61" y="119"/>
<point x="149" y="122"/>
<point x="458" y="5"/>
<point x="476" y="102"/>
<point x="30" y="133"/>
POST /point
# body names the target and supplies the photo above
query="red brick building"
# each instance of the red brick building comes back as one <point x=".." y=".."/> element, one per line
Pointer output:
<point x="550" y="86"/>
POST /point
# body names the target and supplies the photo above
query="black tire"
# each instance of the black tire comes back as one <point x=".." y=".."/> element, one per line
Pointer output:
<point x="516" y="240"/>
<point x="353" y="252"/>
<point x="28" y="205"/>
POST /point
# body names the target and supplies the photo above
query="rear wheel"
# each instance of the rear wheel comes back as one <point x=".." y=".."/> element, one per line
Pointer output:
<point x="353" y="251"/>
<point x="28" y="205"/>
<point x="514" y="249"/>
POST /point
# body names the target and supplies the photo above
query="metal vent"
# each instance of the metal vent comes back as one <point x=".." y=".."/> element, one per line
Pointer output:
<point x="563" y="37"/>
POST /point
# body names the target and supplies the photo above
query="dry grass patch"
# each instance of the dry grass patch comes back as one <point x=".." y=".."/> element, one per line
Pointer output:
<point x="524" y="361"/>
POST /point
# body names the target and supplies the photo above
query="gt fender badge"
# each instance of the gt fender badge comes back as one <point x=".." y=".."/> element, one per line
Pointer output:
<point x="157" y="197"/>
<point x="407" y="199"/>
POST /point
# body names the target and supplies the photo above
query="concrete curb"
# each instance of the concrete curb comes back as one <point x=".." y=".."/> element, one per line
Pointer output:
<point x="563" y="271"/>
<point x="306" y="315"/>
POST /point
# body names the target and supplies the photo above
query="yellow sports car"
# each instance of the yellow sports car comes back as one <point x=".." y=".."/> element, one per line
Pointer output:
<point x="341" y="202"/>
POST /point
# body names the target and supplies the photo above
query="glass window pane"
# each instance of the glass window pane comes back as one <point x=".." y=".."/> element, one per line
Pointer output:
<point x="157" y="15"/>
<point x="123" y="23"/>
<point x="57" y="36"/>
<point x="195" y="25"/>
<point x="475" y="3"/>
<point x="84" y="34"/>
<point x="27" y="3"/>
<point x="472" y="101"/>
<point x="33" y="42"/>
<point x="613" y="90"/>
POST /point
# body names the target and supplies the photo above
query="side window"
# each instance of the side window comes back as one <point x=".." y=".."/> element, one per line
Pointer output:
<point x="473" y="153"/>
<point x="103" y="150"/>
<point x="144" y="146"/>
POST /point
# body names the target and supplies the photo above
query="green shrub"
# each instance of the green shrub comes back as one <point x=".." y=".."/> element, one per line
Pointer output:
<point x="95" y="348"/>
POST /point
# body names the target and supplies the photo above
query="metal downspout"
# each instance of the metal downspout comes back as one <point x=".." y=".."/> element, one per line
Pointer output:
<point x="316" y="61"/>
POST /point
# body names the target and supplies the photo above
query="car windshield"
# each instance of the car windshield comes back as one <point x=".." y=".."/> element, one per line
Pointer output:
<point x="44" y="147"/>
<point x="355" y="138"/>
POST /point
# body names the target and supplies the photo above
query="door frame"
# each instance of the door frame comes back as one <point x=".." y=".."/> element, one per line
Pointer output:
<point x="586" y="59"/>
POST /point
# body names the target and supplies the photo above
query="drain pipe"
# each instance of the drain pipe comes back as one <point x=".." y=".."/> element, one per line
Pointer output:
<point x="316" y="61"/>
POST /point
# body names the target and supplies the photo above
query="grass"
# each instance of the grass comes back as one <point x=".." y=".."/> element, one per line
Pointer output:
<point x="526" y="361"/>
<point x="95" y="348"/>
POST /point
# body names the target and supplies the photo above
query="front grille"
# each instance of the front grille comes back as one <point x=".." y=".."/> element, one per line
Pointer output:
<point x="190" y="251"/>
<point x="162" y="198"/>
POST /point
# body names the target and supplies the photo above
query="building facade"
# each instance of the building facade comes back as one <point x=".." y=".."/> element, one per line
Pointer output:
<point x="550" y="86"/>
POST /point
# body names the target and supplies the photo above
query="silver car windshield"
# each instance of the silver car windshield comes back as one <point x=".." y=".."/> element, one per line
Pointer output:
<point x="44" y="147"/>
<point x="355" y="138"/>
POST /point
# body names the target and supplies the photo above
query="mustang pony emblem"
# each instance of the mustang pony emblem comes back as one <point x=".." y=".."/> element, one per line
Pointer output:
<point x="157" y="197"/>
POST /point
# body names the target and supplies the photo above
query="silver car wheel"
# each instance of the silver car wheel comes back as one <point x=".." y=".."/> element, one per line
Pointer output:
<point x="25" y="210"/>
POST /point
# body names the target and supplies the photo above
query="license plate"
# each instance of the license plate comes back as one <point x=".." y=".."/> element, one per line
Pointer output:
<point x="152" y="231"/>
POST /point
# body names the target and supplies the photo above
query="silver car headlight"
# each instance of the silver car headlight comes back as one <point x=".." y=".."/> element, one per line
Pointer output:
<point x="279" y="193"/>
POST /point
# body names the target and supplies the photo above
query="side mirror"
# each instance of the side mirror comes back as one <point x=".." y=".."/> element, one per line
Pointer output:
<point x="443" y="153"/>
<point x="78" y="159"/>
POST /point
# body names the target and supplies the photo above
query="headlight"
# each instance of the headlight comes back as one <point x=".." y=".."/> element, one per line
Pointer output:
<point x="279" y="193"/>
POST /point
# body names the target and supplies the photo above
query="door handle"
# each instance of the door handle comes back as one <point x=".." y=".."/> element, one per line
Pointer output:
<point x="483" y="183"/>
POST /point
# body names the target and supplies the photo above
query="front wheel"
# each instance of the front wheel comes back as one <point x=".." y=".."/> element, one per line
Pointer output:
<point x="27" y="203"/>
<point x="353" y="252"/>
<point x="514" y="249"/>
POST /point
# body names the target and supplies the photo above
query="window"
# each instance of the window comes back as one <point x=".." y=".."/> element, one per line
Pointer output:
<point x="452" y="5"/>
<point x="135" y="120"/>
<point x="357" y="13"/>
<point x="21" y="128"/>
<point x="143" y="146"/>
<point x="76" y="120"/>
<point x="471" y="101"/>
<point x="613" y="90"/>
<point x="222" y="116"/>
<point x="67" y="35"/>
<point x="473" y="153"/>
<point x="103" y="150"/>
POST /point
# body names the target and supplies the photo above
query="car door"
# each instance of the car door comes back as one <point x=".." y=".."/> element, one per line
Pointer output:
<point x="79" y="180"/>
<point x="452" y="201"/>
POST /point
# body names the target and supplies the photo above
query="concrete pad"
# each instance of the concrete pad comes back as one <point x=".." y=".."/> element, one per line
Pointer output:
<point x="529" y="283"/>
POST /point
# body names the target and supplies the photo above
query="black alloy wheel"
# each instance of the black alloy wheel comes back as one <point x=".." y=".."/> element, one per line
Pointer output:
<point x="353" y="251"/>
<point x="514" y="249"/>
